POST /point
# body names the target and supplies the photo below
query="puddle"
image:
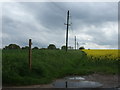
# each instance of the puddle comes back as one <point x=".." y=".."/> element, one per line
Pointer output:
<point x="76" y="82"/>
<point x="74" y="78"/>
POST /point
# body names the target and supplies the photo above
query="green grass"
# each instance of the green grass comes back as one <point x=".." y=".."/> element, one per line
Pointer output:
<point x="48" y="65"/>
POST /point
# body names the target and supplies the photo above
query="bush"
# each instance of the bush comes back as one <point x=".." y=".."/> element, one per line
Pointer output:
<point x="81" y="48"/>
<point x="26" y="47"/>
<point x="12" y="46"/>
<point x="52" y="47"/>
<point x="35" y="48"/>
<point x="63" y="48"/>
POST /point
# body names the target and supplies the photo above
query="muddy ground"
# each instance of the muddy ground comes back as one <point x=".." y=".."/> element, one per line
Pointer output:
<point x="108" y="81"/>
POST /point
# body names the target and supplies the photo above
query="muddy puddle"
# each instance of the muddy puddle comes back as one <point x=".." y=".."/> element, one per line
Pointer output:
<point x="76" y="82"/>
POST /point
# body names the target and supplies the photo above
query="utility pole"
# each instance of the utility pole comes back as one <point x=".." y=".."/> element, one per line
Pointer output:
<point x="77" y="45"/>
<point x="30" y="53"/>
<point x="75" y="42"/>
<point x="67" y="30"/>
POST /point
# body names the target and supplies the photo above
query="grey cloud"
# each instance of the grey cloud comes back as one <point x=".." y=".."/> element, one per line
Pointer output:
<point x="82" y="14"/>
<point x="44" y="22"/>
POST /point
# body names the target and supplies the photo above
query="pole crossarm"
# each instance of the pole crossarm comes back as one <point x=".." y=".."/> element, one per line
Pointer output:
<point x="67" y="24"/>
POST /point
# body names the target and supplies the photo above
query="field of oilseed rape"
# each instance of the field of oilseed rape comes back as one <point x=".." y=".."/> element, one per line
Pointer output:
<point x="103" y="60"/>
<point x="109" y="54"/>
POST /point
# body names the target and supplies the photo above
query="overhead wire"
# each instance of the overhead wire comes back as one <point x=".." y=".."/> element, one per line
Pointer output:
<point x="72" y="32"/>
<point x="60" y="12"/>
<point x="71" y="26"/>
<point x="60" y="9"/>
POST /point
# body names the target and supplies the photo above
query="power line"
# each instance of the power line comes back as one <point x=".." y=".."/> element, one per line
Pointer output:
<point x="60" y="9"/>
<point x="72" y="24"/>
<point x="72" y="32"/>
<point x="58" y="6"/>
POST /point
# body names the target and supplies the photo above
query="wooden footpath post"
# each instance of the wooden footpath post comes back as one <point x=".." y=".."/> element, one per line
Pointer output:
<point x="30" y="53"/>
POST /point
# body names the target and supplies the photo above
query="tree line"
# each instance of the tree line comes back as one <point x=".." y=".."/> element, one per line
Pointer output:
<point x="50" y="46"/>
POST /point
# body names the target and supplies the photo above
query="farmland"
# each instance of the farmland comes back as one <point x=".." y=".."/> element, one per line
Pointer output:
<point x="110" y="54"/>
<point x="48" y="65"/>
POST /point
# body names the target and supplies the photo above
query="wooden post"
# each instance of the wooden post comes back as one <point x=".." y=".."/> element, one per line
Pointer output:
<point x="67" y="31"/>
<point x="66" y="84"/>
<point x="30" y="53"/>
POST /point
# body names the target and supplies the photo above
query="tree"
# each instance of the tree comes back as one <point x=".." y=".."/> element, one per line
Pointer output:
<point x="70" y="48"/>
<point x="6" y="47"/>
<point x="12" y="46"/>
<point x="81" y="48"/>
<point x="63" y="47"/>
<point x="51" y="46"/>
<point x="57" y="49"/>
<point x="26" y="47"/>
<point x="35" y="48"/>
<point x="43" y="48"/>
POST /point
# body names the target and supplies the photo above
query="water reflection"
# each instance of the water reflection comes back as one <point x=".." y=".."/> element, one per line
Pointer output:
<point x="76" y="82"/>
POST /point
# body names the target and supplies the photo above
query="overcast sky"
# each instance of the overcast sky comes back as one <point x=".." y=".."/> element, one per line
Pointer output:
<point x="95" y="24"/>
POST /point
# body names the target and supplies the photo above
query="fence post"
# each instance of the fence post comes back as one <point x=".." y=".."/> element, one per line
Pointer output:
<point x="66" y="84"/>
<point x="30" y="53"/>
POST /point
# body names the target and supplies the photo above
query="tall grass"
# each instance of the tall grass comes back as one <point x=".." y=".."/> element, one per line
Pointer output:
<point x="104" y="60"/>
<point x="48" y="65"/>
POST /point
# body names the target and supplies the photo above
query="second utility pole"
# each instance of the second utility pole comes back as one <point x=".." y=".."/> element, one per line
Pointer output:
<point x="67" y="31"/>
<point x="75" y="42"/>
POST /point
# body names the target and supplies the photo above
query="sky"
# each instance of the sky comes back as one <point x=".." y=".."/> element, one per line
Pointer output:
<point x="95" y="24"/>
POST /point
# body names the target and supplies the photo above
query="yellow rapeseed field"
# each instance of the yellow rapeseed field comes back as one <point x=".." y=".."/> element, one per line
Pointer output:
<point x="103" y="53"/>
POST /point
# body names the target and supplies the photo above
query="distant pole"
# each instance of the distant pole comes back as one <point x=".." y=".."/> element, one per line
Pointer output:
<point x="77" y="45"/>
<point x="75" y="42"/>
<point x="30" y="53"/>
<point x="67" y="30"/>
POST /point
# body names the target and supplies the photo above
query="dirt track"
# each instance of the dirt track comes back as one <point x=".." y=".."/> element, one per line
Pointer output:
<point x="108" y="81"/>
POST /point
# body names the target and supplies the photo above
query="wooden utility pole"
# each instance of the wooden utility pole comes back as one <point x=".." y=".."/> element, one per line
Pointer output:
<point x="77" y="45"/>
<point x="75" y="42"/>
<point x="67" y="30"/>
<point x="30" y="53"/>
